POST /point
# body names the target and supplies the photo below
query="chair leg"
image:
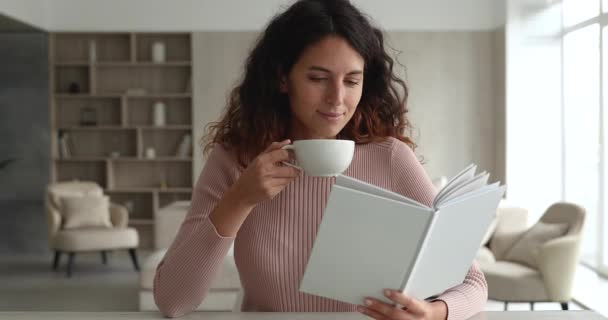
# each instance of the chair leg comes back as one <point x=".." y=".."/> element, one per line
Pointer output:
<point x="56" y="259"/>
<point x="506" y="305"/>
<point x="531" y="305"/>
<point x="133" y="254"/>
<point x="104" y="257"/>
<point x="70" y="263"/>
<point x="564" y="305"/>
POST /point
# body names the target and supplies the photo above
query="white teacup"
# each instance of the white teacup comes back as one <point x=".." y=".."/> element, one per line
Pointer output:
<point x="322" y="157"/>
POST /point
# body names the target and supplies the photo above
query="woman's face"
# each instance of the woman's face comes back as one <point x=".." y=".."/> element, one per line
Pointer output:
<point x="324" y="89"/>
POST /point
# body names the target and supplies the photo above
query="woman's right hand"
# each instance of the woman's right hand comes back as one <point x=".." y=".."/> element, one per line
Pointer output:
<point x="265" y="177"/>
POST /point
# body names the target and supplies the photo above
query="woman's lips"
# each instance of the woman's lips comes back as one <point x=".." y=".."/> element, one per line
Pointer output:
<point x="331" y="116"/>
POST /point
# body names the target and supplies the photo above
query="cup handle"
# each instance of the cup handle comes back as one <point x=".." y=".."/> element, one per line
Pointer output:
<point x="287" y="163"/>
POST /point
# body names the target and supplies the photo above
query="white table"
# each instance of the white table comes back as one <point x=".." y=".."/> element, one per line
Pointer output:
<point x="490" y="315"/>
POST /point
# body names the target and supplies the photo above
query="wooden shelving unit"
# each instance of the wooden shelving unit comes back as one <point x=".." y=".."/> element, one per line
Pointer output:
<point x="111" y="150"/>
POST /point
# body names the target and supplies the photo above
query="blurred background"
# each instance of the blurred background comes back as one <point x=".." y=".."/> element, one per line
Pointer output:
<point x="109" y="99"/>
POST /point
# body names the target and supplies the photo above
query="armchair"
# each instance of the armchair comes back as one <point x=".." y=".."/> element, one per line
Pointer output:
<point x="551" y="279"/>
<point x="86" y="239"/>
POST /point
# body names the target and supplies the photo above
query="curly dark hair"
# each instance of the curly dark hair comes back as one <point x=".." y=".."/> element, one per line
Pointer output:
<point x="257" y="112"/>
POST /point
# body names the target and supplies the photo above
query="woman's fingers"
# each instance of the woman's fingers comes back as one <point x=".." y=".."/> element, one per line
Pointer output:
<point x="387" y="310"/>
<point x="277" y="145"/>
<point x="285" y="172"/>
<point x="372" y="313"/>
<point x="411" y="304"/>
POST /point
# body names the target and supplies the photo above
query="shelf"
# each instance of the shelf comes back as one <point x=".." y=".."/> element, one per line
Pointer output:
<point x="168" y="127"/>
<point x="141" y="221"/>
<point x="86" y="96"/>
<point x="85" y="159"/>
<point x="81" y="159"/>
<point x="128" y="64"/>
<point x="161" y="159"/>
<point x="104" y="87"/>
<point x="72" y="64"/>
<point x="175" y="190"/>
<point x="146" y="190"/>
<point x="185" y="95"/>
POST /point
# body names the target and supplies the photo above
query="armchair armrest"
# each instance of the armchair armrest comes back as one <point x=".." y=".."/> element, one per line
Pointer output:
<point x="54" y="222"/>
<point x="557" y="261"/>
<point x="119" y="215"/>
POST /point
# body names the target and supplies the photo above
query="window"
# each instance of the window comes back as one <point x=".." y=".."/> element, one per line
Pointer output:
<point x="585" y="94"/>
<point x="577" y="11"/>
<point x="581" y="128"/>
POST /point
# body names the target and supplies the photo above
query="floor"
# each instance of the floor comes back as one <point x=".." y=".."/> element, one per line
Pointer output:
<point x="29" y="284"/>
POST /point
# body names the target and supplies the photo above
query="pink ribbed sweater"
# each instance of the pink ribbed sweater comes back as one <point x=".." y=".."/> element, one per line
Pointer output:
<point x="272" y="247"/>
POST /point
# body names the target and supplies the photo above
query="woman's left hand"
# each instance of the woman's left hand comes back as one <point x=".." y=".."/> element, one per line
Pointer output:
<point x="412" y="308"/>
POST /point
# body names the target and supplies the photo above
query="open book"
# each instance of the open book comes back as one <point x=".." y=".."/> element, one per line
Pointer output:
<point x="371" y="238"/>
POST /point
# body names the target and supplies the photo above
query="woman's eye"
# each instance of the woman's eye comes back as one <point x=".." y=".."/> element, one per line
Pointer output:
<point x="352" y="83"/>
<point x="317" y="79"/>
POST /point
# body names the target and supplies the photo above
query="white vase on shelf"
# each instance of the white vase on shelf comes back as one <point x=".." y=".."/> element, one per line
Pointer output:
<point x="158" y="52"/>
<point x="92" y="51"/>
<point x="183" y="150"/>
<point x="150" y="153"/>
<point x="159" y="113"/>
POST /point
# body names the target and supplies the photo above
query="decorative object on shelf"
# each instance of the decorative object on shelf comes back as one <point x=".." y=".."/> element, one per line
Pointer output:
<point x="88" y="116"/>
<point x="115" y="154"/>
<point x="130" y="205"/>
<point x="163" y="179"/>
<point x="150" y="153"/>
<point x="64" y="145"/>
<point x="135" y="92"/>
<point x="92" y="51"/>
<point x="74" y="88"/>
<point x="183" y="150"/>
<point x="158" y="52"/>
<point x="159" y="113"/>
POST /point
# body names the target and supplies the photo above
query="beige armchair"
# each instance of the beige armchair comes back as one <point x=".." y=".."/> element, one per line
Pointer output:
<point x="551" y="279"/>
<point x="71" y="241"/>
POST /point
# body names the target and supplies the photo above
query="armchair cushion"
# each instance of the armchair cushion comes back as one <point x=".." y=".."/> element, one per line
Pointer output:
<point x="72" y="189"/>
<point x="95" y="239"/>
<point x="508" y="281"/>
<point x="526" y="249"/>
<point x="85" y="211"/>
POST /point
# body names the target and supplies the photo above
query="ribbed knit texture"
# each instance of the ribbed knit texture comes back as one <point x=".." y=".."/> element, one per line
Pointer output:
<point x="273" y="245"/>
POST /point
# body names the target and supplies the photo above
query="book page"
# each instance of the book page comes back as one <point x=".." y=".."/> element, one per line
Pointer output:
<point x="359" y="185"/>
<point x="469" y="195"/>
<point x="475" y="183"/>
<point x="365" y="243"/>
<point x="465" y="175"/>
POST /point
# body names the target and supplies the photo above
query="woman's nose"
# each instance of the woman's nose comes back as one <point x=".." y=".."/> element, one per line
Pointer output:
<point x="335" y="94"/>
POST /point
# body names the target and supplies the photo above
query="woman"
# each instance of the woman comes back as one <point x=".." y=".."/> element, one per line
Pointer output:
<point x="318" y="71"/>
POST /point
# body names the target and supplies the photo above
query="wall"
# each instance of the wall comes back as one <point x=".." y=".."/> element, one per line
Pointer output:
<point x="24" y="134"/>
<point x="228" y="15"/>
<point x="455" y="85"/>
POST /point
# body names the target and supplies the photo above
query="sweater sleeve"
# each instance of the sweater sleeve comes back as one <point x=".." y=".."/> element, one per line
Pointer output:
<point x="410" y="179"/>
<point x="184" y="275"/>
